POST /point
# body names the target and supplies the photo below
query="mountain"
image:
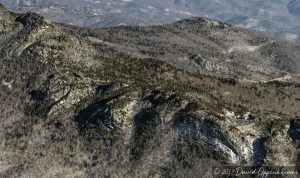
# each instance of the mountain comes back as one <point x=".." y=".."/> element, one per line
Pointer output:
<point x="294" y="7"/>
<point x="154" y="101"/>
<point x="279" y="18"/>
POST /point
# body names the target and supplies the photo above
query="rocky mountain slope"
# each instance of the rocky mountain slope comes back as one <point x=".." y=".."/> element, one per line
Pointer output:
<point x="157" y="101"/>
<point x="274" y="17"/>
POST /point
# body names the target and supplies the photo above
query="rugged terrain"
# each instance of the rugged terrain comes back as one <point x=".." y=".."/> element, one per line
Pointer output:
<point x="274" y="17"/>
<point x="131" y="101"/>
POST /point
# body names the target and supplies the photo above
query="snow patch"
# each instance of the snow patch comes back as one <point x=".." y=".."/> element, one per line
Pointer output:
<point x="285" y="78"/>
<point x="247" y="148"/>
<point x="244" y="48"/>
<point x="259" y="69"/>
<point x="229" y="114"/>
<point x="8" y="84"/>
<point x="151" y="7"/>
<point x="234" y="158"/>
<point x="143" y="10"/>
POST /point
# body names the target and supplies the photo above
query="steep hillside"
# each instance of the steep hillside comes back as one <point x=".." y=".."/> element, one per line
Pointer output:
<point x="157" y="101"/>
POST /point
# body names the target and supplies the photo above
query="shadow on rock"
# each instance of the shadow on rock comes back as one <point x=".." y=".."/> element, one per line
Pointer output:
<point x="259" y="151"/>
<point x="96" y="121"/>
<point x="294" y="131"/>
<point x="145" y="123"/>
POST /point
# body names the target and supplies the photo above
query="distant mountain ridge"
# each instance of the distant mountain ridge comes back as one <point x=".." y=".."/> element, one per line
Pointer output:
<point x="278" y="18"/>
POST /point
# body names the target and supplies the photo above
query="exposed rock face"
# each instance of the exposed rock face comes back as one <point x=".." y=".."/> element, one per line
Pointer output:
<point x="205" y="133"/>
<point x="75" y="107"/>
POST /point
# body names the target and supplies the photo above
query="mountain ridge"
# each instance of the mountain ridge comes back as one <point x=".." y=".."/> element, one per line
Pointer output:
<point x="255" y="15"/>
<point x="112" y="102"/>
